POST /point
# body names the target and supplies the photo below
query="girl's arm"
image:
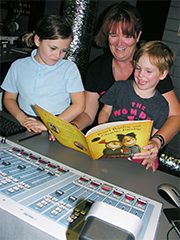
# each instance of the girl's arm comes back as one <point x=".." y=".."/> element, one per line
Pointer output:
<point x="76" y="108"/>
<point x="12" y="106"/>
<point x="87" y="117"/>
<point x="104" y="114"/>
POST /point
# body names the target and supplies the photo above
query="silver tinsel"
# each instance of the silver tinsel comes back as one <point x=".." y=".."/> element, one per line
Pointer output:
<point x="81" y="15"/>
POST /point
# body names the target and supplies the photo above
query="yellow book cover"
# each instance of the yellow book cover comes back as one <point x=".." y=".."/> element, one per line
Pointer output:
<point x="109" y="140"/>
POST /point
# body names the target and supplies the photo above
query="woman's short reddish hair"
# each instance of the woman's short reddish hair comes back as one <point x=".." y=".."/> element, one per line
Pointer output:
<point x="123" y="13"/>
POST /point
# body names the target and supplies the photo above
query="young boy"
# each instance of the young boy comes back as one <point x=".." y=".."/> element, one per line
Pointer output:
<point x="138" y="99"/>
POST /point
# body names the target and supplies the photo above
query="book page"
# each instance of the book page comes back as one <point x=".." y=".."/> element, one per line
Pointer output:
<point x="107" y="125"/>
<point x="120" y="140"/>
<point x="64" y="132"/>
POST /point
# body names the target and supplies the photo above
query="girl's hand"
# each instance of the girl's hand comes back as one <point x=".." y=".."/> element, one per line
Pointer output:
<point x="35" y="125"/>
<point x="51" y="136"/>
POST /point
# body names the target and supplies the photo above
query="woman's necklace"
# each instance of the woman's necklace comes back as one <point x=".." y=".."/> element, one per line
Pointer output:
<point x="121" y="74"/>
<point x="113" y="70"/>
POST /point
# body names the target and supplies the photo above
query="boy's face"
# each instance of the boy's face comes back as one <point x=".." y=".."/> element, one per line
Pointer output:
<point x="51" y="51"/>
<point x="146" y="75"/>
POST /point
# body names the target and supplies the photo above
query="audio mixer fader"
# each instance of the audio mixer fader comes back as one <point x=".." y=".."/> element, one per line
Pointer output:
<point x="56" y="198"/>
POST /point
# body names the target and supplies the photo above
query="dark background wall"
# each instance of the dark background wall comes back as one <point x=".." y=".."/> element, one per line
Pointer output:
<point x="19" y="16"/>
<point x="154" y="15"/>
<point x="26" y="13"/>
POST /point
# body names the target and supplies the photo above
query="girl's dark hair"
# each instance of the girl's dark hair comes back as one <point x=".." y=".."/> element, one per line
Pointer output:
<point x="53" y="27"/>
<point x="125" y="13"/>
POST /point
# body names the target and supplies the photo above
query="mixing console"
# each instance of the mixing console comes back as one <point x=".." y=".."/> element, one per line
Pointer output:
<point x="55" y="198"/>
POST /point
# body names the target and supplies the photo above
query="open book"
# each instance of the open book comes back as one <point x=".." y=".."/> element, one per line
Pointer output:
<point x="109" y="140"/>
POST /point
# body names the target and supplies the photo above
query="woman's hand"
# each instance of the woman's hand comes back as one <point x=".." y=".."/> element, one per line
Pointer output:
<point x="150" y="155"/>
<point x="33" y="124"/>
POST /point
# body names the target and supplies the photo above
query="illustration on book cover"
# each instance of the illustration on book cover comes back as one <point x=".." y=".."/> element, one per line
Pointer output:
<point x="109" y="140"/>
<point x="123" y="147"/>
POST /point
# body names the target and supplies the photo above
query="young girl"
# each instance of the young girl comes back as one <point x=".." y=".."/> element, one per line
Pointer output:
<point x="138" y="99"/>
<point x="45" y="78"/>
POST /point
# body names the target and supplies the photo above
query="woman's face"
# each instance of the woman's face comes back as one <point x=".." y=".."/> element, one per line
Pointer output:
<point x="122" y="46"/>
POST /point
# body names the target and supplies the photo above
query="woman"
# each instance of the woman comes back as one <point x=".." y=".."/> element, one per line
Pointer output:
<point x="121" y="32"/>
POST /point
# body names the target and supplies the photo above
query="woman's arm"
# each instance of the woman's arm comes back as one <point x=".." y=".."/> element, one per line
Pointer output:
<point x="168" y="130"/>
<point x="172" y="125"/>
<point x="87" y="117"/>
<point x="104" y="114"/>
<point x="76" y="108"/>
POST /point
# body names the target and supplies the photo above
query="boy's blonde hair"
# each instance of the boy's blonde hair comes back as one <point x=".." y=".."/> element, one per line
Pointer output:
<point x="159" y="53"/>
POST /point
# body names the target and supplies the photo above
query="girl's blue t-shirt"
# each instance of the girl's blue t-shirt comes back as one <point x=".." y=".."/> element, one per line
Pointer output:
<point x="47" y="86"/>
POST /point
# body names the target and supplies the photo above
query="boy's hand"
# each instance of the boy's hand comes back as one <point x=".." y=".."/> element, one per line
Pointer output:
<point x="149" y="163"/>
